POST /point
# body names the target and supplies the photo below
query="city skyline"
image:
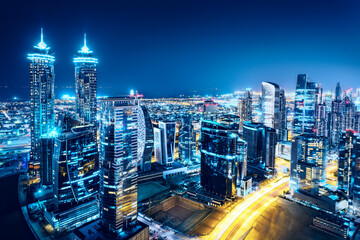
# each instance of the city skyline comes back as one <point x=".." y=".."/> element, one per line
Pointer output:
<point x="238" y="45"/>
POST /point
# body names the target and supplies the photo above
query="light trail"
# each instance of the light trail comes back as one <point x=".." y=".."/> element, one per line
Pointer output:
<point x="228" y="220"/>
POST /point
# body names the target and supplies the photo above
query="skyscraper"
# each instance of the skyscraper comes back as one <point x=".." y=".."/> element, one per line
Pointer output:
<point x="223" y="159"/>
<point x="187" y="140"/>
<point x="85" y="85"/>
<point x="145" y="139"/>
<point x="346" y="145"/>
<point x="164" y="143"/>
<point x="42" y="76"/>
<point x="306" y="96"/>
<point x="261" y="142"/>
<point x="308" y="163"/>
<point x="338" y="92"/>
<point x="245" y="108"/>
<point x="118" y="158"/>
<point x="355" y="175"/>
<point x="273" y="109"/>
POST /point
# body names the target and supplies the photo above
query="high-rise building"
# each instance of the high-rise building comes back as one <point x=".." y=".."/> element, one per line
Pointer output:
<point x="223" y="159"/>
<point x="346" y="145"/>
<point x="118" y="158"/>
<point x="355" y="175"/>
<point x="42" y="76"/>
<point x="322" y="123"/>
<point x="76" y="167"/>
<point x="46" y="157"/>
<point x="245" y="108"/>
<point x="164" y="143"/>
<point x="308" y="163"/>
<point x="145" y="139"/>
<point x="85" y="85"/>
<point x="338" y="92"/>
<point x="261" y="142"/>
<point x="274" y="109"/>
<point x="306" y="97"/>
<point x="187" y="140"/>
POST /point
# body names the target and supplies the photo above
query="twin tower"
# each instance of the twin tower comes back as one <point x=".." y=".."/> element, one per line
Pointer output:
<point x="42" y="96"/>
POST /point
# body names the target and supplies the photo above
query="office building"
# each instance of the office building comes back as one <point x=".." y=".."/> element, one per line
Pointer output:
<point x="145" y="139"/>
<point x="308" y="163"/>
<point x="274" y="109"/>
<point x="355" y="176"/>
<point x="223" y="159"/>
<point x="118" y="158"/>
<point x="85" y="85"/>
<point x="187" y="140"/>
<point x="42" y="76"/>
<point x="245" y="108"/>
<point x="346" y="145"/>
<point x="306" y="96"/>
<point x="261" y="142"/>
<point x="164" y="143"/>
<point x="76" y="167"/>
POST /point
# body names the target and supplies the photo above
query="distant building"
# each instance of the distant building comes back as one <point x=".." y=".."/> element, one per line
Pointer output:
<point x="210" y="109"/>
<point x="306" y="96"/>
<point x="145" y="139"/>
<point x="164" y="143"/>
<point x="223" y="160"/>
<point x="42" y="97"/>
<point x="308" y="163"/>
<point x="274" y="109"/>
<point x="85" y="85"/>
<point x="245" y="108"/>
<point x="118" y="158"/>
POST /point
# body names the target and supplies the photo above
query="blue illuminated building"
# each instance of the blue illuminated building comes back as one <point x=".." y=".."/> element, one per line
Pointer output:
<point x="346" y="145"/>
<point x="118" y="158"/>
<point x="164" y="143"/>
<point x="355" y="176"/>
<point x="42" y="76"/>
<point x="187" y="140"/>
<point x="85" y="85"/>
<point x="306" y="96"/>
<point x="261" y="146"/>
<point x="223" y="160"/>
<point x="145" y="139"/>
<point x="308" y="163"/>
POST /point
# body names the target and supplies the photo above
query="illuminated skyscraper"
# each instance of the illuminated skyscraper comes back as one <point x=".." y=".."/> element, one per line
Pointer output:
<point x="145" y="139"/>
<point x="245" y="108"/>
<point x="85" y="85"/>
<point x="42" y="76"/>
<point x="355" y="175"/>
<point x="118" y="158"/>
<point x="308" y="163"/>
<point x="164" y="143"/>
<point x="306" y="96"/>
<point x="338" y="92"/>
<point x="346" y="145"/>
<point x="261" y="142"/>
<point x="187" y="140"/>
<point x="223" y="159"/>
<point x="274" y="109"/>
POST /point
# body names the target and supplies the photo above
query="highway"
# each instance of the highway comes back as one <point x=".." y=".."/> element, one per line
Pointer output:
<point x="240" y="220"/>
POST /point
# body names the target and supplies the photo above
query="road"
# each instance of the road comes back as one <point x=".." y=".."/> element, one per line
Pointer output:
<point x="236" y="223"/>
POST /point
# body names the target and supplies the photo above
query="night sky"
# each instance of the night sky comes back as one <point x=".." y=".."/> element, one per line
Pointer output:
<point x="168" y="48"/>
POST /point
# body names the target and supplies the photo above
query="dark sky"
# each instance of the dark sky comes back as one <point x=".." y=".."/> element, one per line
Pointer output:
<point x="166" y="48"/>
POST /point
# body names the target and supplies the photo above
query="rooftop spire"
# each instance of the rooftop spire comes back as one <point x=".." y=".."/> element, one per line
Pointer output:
<point x="85" y="49"/>
<point x="41" y="45"/>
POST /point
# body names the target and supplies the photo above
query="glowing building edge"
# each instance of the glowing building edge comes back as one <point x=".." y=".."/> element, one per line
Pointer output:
<point x="32" y="56"/>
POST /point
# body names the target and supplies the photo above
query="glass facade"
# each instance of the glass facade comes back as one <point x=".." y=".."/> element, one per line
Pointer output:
<point x="346" y="145"/>
<point x="308" y="163"/>
<point x="118" y="158"/>
<point x="42" y="97"/>
<point x="145" y="139"/>
<point x="76" y="166"/>
<point x="306" y="95"/>
<point x="223" y="159"/>
<point x="245" y="108"/>
<point x="273" y="109"/>
<point x="187" y="140"/>
<point x="85" y="85"/>
<point x="164" y="137"/>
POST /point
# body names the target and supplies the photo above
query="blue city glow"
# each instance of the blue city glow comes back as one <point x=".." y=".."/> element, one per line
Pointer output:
<point x="41" y="45"/>
<point x="33" y="56"/>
